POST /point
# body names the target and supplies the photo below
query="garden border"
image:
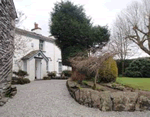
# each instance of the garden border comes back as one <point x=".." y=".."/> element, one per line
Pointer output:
<point x="106" y="100"/>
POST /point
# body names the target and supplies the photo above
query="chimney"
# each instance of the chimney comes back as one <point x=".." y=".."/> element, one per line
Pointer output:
<point x="35" y="25"/>
<point x="36" y="29"/>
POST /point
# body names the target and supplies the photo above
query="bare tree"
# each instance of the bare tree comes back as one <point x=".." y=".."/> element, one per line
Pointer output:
<point x="21" y="48"/>
<point x="134" y="22"/>
<point x="20" y="42"/>
<point x="91" y="64"/>
<point x="124" y="48"/>
<point x="20" y="19"/>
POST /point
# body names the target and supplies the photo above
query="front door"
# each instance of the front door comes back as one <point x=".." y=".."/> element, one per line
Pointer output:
<point x="38" y="69"/>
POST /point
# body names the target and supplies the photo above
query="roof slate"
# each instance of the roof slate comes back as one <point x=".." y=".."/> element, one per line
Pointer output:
<point x="29" y="55"/>
<point x="32" y="53"/>
<point x="34" y="35"/>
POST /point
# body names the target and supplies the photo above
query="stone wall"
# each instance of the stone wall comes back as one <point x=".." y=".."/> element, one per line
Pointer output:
<point x="108" y="101"/>
<point x="7" y="27"/>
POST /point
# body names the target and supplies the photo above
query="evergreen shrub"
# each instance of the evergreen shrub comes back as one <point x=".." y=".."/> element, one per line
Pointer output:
<point x="109" y="71"/>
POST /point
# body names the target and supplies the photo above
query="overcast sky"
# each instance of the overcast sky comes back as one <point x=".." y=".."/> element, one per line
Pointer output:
<point x="102" y="12"/>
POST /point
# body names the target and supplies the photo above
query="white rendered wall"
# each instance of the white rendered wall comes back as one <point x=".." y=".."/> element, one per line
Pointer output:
<point x="32" y="44"/>
<point x="31" y="69"/>
<point x="50" y="51"/>
<point x="43" y="68"/>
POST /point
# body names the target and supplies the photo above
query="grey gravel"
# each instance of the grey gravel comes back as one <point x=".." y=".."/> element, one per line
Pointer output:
<point x="50" y="98"/>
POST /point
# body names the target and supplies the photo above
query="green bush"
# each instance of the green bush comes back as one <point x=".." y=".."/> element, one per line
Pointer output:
<point x="21" y="73"/>
<point x="46" y="78"/>
<point x="51" y="74"/>
<point x="138" y="68"/>
<point x="67" y="73"/>
<point x="109" y="72"/>
<point x="20" y="81"/>
<point x="126" y="64"/>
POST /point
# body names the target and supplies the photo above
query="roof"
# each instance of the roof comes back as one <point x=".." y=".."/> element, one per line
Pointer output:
<point x="34" y="35"/>
<point x="29" y="55"/>
<point x="33" y="53"/>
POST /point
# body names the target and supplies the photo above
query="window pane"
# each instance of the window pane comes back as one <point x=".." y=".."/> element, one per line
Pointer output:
<point x="60" y="67"/>
<point x="41" y="44"/>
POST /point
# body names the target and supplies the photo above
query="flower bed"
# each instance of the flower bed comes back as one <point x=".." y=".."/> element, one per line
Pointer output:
<point x="109" y="100"/>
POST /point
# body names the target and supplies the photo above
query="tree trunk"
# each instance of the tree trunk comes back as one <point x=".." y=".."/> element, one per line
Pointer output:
<point x="122" y="67"/>
<point x="95" y="79"/>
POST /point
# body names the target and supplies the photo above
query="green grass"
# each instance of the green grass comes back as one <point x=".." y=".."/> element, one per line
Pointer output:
<point x="136" y="83"/>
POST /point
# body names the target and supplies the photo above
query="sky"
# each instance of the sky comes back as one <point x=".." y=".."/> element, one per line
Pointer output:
<point x="102" y="12"/>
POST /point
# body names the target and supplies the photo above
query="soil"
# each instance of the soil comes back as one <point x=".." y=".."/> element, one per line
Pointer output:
<point x="114" y="87"/>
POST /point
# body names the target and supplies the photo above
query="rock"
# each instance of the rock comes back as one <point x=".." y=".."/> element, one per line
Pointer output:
<point x="145" y="93"/>
<point x="121" y="88"/>
<point x="83" y="96"/>
<point x="95" y="98"/>
<point x="105" y="101"/>
<point x="108" y="101"/>
<point x="13" y="93"/>
<point x="72" y="84"/>
<point x="3" y="101"/>
<point x="143" y="103"/>
<point x="77" y="95"/>
<point x="124" y="101"/>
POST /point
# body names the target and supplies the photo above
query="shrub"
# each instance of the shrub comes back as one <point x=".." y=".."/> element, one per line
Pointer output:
<point x="77" y="76"/>
<point x="21" y="73"/>
<point x="51" y="74"/>
<point x="67" y="73"/>
<point x="20" y="81"/>
<point x="138" y="68"/>
<point x="46" y="78"/>
<point x="126" y="64"/>
<point x="109" y="72"/>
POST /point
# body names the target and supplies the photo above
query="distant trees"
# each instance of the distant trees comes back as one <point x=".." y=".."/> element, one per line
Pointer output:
<point x="20" y="18"/>
<point x="74" y="32"/>
<point x="138" y="68"/>
<point x="124" y="47"/>
<point x="134" y="22"/>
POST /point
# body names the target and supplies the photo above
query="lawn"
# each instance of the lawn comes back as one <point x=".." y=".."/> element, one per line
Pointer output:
<point x="136" y="83"/>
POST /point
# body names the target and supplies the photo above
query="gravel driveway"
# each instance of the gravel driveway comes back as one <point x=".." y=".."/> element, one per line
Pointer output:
<point x="50" y="98"/>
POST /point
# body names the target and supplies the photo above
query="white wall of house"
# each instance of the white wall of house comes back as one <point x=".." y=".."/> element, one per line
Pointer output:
<point x="31" y="69"/>
<point x="50" y="50"/>
<point x="44" y="70"/>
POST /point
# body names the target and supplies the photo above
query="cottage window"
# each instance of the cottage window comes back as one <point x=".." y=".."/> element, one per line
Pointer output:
<point x="25" y="65"/>
<point x="59" y="67"/>
<point x="41" y="45"/>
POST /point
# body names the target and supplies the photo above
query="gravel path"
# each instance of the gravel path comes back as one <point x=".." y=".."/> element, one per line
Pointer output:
<point x="51" y="99"/>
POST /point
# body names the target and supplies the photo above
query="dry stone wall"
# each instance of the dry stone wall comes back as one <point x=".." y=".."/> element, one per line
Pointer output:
<point x="108" y="101"/>
<point x="7" y="31"/>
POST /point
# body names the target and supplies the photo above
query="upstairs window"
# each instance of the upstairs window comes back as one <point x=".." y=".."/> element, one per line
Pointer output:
<point x="41" y="45"/>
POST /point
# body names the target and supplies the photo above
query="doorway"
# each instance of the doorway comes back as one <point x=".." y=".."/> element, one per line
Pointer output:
<point x="37" y="69"/>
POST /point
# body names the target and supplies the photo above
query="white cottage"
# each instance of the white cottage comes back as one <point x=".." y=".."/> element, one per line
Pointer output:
<point x="41" y="55"/>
